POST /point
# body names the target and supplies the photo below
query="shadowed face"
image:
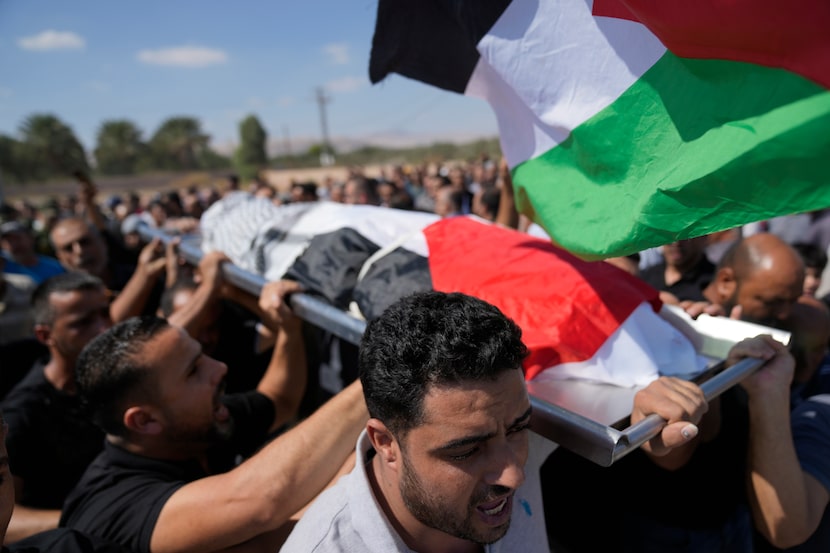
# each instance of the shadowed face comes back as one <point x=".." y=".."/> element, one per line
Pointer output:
<point x="190" y="387"/>
<point x="767" y="296"/>
<point x="812" y="281"/>
<point x="352" y="193"/>
<point x="79" y="248"/>
<point x="79" y="316"/>
<point x="684" y="253"/>
<point x="19" y="244"/>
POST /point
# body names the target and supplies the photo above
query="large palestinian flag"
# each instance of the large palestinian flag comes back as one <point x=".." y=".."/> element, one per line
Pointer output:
<point x="629" y="124"/>
<point x="580" y="319"/>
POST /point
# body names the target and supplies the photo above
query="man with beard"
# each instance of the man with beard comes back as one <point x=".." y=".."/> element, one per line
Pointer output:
<point x="759" y="280"/>
<point x="171" y="476"/>
<point x="50" y="440"/>
<point x="447" y="461"/>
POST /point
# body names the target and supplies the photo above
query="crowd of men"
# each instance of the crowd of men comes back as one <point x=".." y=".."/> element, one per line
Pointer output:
<point x="150" y="405"/>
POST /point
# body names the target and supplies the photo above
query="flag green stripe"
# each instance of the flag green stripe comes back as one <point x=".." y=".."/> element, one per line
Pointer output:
<point x="693" y="147"/>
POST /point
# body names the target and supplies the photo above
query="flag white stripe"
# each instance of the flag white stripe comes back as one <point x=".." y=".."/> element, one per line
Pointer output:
<point x="644" y="347"/>
<point x="586" y="63"/>
<point x="266" y="239"/>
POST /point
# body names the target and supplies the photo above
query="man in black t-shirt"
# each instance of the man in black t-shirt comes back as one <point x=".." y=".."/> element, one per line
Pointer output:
<point x="58" y="540"/>
<point x="50" y="441"/>
<point x="170" y="476"/>
<point x="684" y="272"/>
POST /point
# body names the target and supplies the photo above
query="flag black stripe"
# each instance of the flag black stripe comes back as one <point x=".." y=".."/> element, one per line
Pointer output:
<point x="433" y="41"/>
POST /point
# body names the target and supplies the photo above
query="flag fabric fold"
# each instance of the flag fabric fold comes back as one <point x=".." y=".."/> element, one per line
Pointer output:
<point x="585" y="320"/>
<point x="632" y="124"/>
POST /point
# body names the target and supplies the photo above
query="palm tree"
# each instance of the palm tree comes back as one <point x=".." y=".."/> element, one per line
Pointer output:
<point x="119" y="147"/>
<point x="15" y="164"/>
<point x="54" y="146"/>
<point x="251" y="156"/>
<point x="179" y="143"/>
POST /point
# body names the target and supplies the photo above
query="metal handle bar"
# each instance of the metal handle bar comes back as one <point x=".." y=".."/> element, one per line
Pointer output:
<point x="605" y="444"/>
<point x="305" y="306"/>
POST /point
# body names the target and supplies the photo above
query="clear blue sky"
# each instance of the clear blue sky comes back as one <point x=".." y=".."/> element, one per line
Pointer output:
<point x="91" y="61"/>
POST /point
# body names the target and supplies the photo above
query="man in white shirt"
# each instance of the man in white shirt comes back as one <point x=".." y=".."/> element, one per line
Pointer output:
<point x="447" y="461"/>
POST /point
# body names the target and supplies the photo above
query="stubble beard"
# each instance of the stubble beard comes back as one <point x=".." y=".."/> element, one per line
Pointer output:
<point x="434" y="513"/>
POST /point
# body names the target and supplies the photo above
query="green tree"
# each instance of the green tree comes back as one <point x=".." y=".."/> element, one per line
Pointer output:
<point x="211" y="160"/>
<point x="251" y="154"/>
<point x="53" y="146"/>
<point x="119" y="148"/>
<point x="16" y="162"/>
<point x="179" y="143"/>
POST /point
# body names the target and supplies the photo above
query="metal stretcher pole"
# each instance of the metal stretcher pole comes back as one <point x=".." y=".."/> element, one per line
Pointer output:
<point x="306" y="306"/>
<point x="605" y="444"/>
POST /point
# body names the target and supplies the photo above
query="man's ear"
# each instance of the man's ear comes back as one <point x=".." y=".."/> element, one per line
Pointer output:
<point x="141" y="420"/>
<point x="43" y="333"/>
<point x="385" y="444"/>
<point x="725" y="284"/>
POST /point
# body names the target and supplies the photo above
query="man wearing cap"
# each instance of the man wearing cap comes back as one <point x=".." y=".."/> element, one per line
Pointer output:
<point x="16" y="318"/>
<point x="18" y="248"/>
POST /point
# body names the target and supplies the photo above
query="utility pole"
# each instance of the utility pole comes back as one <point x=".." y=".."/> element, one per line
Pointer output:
<point x="286" y="141"/>
<point x="326" y="152"/>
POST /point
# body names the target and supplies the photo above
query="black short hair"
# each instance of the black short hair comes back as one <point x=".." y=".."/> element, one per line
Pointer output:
<point x="308" y="188"/>
<point x="432" y="338"/>
<point x="402" y="199"/>
<point x="812" y="255"/>
<point x="491" y="198"/>
<point x="71" y="281"/>
<point x="107" y="373"/>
